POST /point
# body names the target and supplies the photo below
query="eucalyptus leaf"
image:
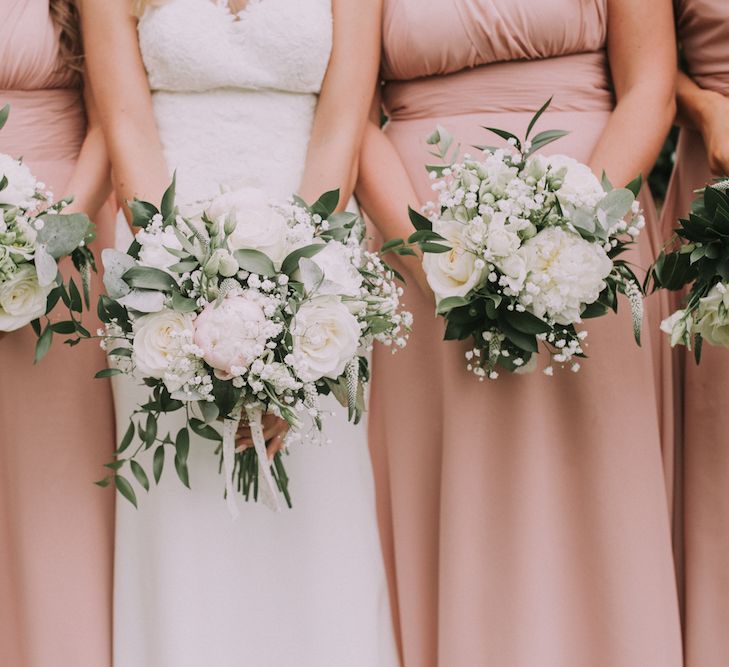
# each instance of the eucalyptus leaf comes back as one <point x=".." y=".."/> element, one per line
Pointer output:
<point x="255" y="261"/>
<point x="147" y="277"/>
<point x="183" y="304"/>
<point x="144" y="301"/>
<point x="326" y="204"/>
<point x="291" y="263"/>
<point x="116" y="264"/>
<point x="182" y="444"/>
<point x="62" y="234"/>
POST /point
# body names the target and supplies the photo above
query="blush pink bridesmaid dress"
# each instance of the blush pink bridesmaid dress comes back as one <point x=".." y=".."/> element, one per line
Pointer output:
<point x="56" y="421"/>
<point x="703" y="30"/>
<point x="525" y="521"/>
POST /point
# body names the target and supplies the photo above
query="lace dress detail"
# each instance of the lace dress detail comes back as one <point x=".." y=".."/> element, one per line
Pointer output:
<point x="212" y="69"/>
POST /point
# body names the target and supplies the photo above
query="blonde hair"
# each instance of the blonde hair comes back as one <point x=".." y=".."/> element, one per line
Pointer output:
<point x="65" y="16"/>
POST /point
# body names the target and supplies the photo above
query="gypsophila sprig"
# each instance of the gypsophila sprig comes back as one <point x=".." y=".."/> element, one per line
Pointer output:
<point x="34" y="235"/>
<point x="520" y="248"/>
<point x="698" y="255"/>
<point x="241" y="308"/>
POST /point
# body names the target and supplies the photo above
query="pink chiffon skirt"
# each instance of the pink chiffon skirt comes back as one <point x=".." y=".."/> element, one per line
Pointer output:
<point x="56" y="432"/>
<point x="525" y="521"/>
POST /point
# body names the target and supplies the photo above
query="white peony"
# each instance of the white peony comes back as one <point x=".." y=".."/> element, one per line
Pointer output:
<point x="567" y="273"/>
<point x="452" y="273"/>
<point x="21" y="185"/>
<point x="153" y="252"/>
<point x="340" y="275"/>
<point x="580" y="187"/>
<point x="22" y="299"/>
<point x="325" y="338"/>
<point x="712" y="317"/>
<point x="232" y="334"/>
<point x="160" y="340"/>
<point x="258" y="226"/>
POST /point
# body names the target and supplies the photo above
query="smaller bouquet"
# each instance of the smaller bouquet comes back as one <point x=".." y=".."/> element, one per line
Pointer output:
<point x="34" y="235"/>
<point x="240" y="310"/>
<point x="522" y="248"/>
<point x="699" y="257"/>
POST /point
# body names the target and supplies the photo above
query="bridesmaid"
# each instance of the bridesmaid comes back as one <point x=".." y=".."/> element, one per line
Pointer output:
<point x="702" y="155"/>
<point x="56" y="421"/>
<point x="525" y="521"/>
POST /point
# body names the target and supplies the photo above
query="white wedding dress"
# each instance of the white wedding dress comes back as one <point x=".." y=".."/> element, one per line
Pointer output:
<point x="234" y="98"/>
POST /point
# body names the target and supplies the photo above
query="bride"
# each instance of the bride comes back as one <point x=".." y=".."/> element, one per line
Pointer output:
<point x="271" y="94"/>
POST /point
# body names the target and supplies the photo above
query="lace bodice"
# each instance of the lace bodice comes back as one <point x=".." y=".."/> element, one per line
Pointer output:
<point x="198" y="45"/>
<point x="234" y="94"/>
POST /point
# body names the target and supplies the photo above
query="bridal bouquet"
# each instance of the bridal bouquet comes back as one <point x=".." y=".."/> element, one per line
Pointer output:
<point x="521" y="248"/>
<point x="242" y="310"/>
<point x="700" y="258"/>
<point x="34" y="235"/>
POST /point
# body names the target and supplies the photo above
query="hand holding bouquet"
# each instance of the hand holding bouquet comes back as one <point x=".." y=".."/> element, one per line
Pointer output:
<point x="700" y="258"/>
<point x="242" y="310"/>
<point x="34" y="235"/>
<point x="521" y="248"/>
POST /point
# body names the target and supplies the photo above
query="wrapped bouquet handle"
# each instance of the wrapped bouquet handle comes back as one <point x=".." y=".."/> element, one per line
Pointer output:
<point x="267" y="486"/>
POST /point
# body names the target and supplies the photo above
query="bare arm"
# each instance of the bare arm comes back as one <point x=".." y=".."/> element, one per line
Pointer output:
<point x="90" y="183"/>
<point x="385" y="191"/>
<point x="124" y="101"/>
<point x="642" y="53"/>
<point x="341" y="113"/>
<point x="708" y="112"/>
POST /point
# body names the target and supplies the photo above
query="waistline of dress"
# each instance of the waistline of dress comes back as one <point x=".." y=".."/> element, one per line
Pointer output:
<point x="578" y="82"/>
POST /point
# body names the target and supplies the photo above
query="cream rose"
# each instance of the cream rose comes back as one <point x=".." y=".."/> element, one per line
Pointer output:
<point x="257" y="225"/>
<point x="452" y="273"/>
<point x="159" y="339"/>
<point x="232" y="334"/>
<point x="22" y="299"/>
<point x="712" y="319"/>
<point x="325" y="338"/>
<point x="21" y="183"/>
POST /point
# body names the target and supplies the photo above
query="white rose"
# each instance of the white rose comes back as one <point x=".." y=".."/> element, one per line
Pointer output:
<point x="500" y="241"/>
<point x="158" y="341"/>
<point x="257" y="225"/>
<point x="712" y="318"/>
<point x="325" y="338"/>
<point x="452" y="273"/>
<point x="580" y="186"/>
<point x="21" y="183"/>
<point x="153" y="252"/>
<point x="232" y="334"/>
<point x="566" y="271"/>
<point x="340" y="275"/>
<point x="514" y="270"/>
<point x="22" y="299"/>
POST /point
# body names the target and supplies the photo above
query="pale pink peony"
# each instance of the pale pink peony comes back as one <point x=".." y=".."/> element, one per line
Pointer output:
<point x="231" y="335"/>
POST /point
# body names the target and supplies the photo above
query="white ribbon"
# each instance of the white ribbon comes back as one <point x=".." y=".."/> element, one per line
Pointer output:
<point x="230" y="428"/>
<point x="267" y="487"/>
